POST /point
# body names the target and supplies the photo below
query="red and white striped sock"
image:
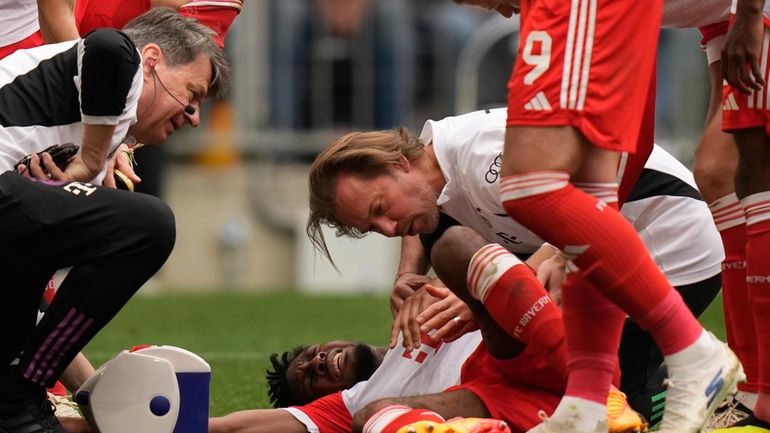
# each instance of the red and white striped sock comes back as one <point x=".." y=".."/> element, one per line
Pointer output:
<point x="592" y="361"/>
<point x="757" y="210"/>
<point x="728" y="216"/>
<point x="518" y="302"/>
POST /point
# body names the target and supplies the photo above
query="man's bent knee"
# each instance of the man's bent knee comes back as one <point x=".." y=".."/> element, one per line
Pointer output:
<point x="153" y="221"/>
<point x="456" y="246"/>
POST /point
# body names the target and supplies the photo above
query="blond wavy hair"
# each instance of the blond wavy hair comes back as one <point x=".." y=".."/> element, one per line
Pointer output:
<point x="365" y="154"/>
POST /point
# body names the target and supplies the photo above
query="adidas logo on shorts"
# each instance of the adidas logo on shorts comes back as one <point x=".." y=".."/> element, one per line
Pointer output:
<point x="538" y="103"/>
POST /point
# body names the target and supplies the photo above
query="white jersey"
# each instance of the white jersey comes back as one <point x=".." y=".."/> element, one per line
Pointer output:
<point x="18" y="20"/>
<point x="429" y="369"/>
<point x="694" y="13"/>
<point x="664" y="207"/>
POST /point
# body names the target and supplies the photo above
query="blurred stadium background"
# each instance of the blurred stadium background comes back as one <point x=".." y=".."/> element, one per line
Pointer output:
<point x="243" y="281"/>
<point x="237" y="184"/>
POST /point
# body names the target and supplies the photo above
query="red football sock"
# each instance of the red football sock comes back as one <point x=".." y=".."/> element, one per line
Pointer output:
<point x="593" y="326"/>
<point x="391" y="418"/>
<point x="757" y="210"/>
<point x="606" y="192"/>
<point x="739" y="323"/>
<point x="517" y="301"/>
<point x="605" y="247"/>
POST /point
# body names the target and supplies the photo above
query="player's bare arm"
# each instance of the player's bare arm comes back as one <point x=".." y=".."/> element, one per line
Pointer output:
<point x="57" y="20"/>
<point x="257" y="421"/>
<point x="740" y="54"/>
<point x="411" y="271"/>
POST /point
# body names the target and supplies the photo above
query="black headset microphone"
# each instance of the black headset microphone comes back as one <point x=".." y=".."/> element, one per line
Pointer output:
<point x="189" y="109"/>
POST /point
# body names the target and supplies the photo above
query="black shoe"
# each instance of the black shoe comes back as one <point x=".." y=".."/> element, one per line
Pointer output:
<point x="753" y="421"/>
<point x="29" y="417"/>
<point x="727" y="414"/>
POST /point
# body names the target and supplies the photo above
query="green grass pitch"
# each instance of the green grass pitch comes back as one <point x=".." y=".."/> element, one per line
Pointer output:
<point x="236" y="333"/>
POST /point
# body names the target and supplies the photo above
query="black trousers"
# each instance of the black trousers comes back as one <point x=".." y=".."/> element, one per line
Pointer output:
<point x="640" y="359"/>
<point x="113" y="240"/>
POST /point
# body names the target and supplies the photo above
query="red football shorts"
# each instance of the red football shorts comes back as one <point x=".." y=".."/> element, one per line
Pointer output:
<point x="741" y="111"/>
<point x="586" y="64"/>
<point x="93" y="14"/>
<point x="513" y="390"/>
<point x="712" y="31"/>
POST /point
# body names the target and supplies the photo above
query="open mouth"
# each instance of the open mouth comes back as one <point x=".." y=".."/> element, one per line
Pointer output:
<point x="337" y="364"/>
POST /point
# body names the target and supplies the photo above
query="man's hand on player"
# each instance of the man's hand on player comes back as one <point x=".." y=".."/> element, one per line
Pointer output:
<point x="406" y="322"/>
<point x="406" y="284"/>
<point x="450" y="316"/>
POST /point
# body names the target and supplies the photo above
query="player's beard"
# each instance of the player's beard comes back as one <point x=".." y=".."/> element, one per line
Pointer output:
<point x="429" y="216"/>
<point x="366" y="361"/>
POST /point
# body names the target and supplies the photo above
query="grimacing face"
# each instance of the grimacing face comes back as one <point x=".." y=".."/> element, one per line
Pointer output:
<point x="326" y="368"/>
<point x="158" y="114"/>
<point x="401" y="203"/>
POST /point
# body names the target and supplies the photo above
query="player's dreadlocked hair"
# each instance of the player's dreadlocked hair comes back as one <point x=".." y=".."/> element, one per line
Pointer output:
<point x="278" y="387"/>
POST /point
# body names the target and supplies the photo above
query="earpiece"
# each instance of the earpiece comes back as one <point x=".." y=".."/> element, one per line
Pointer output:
<point x="151" y="63"/>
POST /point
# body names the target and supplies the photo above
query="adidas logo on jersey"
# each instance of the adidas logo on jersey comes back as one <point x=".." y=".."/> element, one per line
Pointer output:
<point x="730" y="104"/>
<point x="538" y="103"/>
